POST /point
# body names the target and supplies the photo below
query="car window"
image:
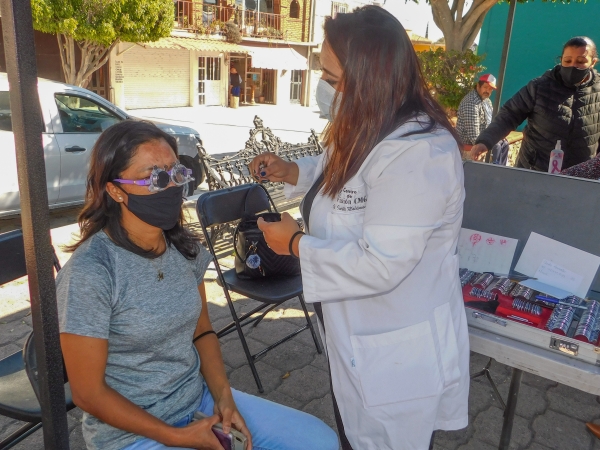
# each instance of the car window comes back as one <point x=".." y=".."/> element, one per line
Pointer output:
<point x="81" y="115"/>
<point x="5" y="115"/>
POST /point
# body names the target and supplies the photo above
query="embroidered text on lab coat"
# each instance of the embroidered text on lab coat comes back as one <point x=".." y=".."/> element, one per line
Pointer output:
<point x="351" y="200"/>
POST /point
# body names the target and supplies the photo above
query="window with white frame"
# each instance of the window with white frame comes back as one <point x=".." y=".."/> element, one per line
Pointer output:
<point x="337" y="8"/>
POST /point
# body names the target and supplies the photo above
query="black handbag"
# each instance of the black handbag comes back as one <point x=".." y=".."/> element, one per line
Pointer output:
<point x="253" y="258"/>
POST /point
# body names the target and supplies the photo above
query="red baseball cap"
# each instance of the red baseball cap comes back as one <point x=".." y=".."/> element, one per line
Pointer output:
<point x="488" y="78"/>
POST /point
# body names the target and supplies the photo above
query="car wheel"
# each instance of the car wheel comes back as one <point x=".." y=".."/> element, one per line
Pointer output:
<point x="197" y="173"/>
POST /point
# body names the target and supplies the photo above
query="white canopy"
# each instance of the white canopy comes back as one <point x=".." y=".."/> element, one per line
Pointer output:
<point x="285" y="58"/>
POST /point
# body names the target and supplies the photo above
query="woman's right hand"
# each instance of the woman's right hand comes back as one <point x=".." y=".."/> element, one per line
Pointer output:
<point x="270" y="167"/>
<point x="198" y="434"/>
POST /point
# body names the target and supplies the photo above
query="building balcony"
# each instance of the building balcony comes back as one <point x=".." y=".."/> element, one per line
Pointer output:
<point x="201" y="18"/>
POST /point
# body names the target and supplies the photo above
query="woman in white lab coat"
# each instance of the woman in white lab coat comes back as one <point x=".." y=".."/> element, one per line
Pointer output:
<point x="380" y="249"/>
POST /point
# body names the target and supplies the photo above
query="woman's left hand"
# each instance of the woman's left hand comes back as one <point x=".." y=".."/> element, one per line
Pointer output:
<point x="278" y="234"/>
<point x="230" y="417"/>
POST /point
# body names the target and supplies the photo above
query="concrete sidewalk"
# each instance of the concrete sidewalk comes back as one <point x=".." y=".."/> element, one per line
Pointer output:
<point x="225" y="130"/>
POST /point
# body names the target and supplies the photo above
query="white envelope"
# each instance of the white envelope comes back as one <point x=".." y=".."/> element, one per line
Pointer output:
<point x="561" y="270"/>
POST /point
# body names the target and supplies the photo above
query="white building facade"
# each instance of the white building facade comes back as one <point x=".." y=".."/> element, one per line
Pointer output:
<point x="323" y="9"/>
<point x="171" y="72"/>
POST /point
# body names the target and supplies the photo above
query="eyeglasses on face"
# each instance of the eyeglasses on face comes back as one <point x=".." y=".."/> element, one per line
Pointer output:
<point x="160" y="179"/>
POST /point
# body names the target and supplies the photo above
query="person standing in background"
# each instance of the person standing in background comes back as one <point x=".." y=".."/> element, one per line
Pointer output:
<point x="235" y="87"/>
<point x="563" y="104"/>
<point x="475" y="115"/>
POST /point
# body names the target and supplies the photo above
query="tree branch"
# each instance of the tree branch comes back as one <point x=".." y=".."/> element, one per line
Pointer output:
<point x="70" y="43"/>
<point x="442" y="16"/>
<point x="86" y="57"/>
<point x="468" y="41"/>
<point x="98" y="56"/>
<point x="63" y="56"/>
<point x="454" y="7"/>
<point x="478" y="9"/>
<point x="459" y="13"/>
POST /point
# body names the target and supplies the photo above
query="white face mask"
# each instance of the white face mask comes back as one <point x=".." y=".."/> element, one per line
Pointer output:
<point x="325" y="95"/>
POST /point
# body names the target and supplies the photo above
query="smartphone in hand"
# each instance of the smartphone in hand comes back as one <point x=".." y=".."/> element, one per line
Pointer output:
<point x="234" y="440"/>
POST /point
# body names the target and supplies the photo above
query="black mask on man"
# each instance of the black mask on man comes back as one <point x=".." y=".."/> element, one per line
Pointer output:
<point x="160" y="210"/>
<point x="572" y="76"/>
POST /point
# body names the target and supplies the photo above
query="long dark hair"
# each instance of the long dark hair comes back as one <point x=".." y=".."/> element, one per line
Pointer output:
<point x="382" y="88"/>
<point x="111" y="155"/>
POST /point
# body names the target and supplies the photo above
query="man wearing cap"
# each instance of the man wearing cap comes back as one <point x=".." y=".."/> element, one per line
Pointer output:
<point x="561" y="105"/>
<point x="475" y="115"/>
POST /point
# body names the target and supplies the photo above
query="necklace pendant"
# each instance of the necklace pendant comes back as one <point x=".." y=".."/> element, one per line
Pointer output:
<point x="160" y="276"/>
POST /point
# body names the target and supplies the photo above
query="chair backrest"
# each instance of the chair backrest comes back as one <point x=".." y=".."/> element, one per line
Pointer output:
<point x="30" y="360"/>
<point x="12" y="259"/>
<point x="226" y="205"/>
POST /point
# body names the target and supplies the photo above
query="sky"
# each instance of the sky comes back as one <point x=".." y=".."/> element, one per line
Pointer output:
<point x="414" y="17"/>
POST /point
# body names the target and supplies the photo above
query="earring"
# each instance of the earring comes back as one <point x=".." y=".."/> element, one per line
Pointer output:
<point x="121" y="198"/>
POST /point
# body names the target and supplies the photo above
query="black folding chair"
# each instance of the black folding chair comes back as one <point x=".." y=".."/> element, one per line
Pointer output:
<point x="221" y="207"/>
<point x="19" y="388"/>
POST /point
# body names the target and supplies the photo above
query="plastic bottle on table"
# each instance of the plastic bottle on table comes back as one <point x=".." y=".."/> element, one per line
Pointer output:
<point x="556" y="159"/>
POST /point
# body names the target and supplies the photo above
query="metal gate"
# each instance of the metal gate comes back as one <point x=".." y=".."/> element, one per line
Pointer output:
<point x="156" y="78"/>
<point x="209" y="80"/>
<point x="296" y="86"/>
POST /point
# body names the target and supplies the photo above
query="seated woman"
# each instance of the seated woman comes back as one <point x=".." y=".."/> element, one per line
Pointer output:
<point x="135" y="332"/>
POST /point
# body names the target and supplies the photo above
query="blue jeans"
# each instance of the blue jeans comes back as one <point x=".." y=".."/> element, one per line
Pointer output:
<point x="273" y="426"/>
<point x="500" y="152"/>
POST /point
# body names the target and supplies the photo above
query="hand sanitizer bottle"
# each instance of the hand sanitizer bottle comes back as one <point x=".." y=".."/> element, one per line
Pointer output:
<point x="556" y="159"/>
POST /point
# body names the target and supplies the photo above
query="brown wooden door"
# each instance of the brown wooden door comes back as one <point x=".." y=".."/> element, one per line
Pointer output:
<point x="99" y="82"/>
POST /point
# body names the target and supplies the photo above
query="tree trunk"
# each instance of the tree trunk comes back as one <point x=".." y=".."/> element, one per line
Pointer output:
<point x="460" y="30"/>
<point x="93" y="56"/>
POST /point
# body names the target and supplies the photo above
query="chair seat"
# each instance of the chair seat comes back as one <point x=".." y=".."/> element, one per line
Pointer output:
<point x="267" y="290"/>
<point x="17" y="398"/>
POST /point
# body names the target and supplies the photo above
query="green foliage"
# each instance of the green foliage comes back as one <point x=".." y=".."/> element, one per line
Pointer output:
<point x="216" y="27"/>
<point x="232" y="33"/>
<point x="450" y="75"/>
<point x="104" y="21"/>
<point x="271" y="32"/>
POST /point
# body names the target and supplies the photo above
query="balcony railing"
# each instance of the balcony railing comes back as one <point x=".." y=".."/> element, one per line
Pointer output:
<point x="209" y="19"/>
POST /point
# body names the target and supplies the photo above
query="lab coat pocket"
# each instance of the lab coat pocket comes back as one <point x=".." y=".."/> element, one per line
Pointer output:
<point x="448" y="345"/>
<point x="397" y="366"/>
<point x="345" y="226"/>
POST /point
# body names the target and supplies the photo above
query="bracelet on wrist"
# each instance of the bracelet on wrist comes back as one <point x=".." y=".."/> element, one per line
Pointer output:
<point x="291" y="246"/>
<point x="200" y="336"/>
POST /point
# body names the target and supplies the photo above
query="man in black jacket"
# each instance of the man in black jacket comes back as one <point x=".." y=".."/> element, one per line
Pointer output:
<point x="563" y="104"/>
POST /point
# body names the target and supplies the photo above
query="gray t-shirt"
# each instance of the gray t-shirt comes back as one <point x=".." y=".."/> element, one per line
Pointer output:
<point x="107" y="292"/>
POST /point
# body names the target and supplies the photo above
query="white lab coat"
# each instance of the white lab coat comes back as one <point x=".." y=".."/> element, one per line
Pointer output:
<point x="382" y="259"/>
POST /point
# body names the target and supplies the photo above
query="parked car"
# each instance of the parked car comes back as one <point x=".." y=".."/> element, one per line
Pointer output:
<point x="73" y="119"/>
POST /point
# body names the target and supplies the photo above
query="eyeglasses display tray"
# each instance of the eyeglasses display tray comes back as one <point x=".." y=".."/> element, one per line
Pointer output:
<point x="514" y="203"/>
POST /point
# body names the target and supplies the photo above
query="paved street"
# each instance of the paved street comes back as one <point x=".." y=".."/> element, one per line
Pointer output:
<point x="549" y="415"/>
<point x="225" y="130"/>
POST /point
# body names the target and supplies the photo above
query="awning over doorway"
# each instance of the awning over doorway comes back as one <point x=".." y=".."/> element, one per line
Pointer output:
<point x="276" y="58"/>
<point x="202" y="45"/>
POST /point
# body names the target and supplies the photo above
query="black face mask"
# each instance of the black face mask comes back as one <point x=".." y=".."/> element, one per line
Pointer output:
<point x="572" y="76"/>
<point x="160" y="210"/>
